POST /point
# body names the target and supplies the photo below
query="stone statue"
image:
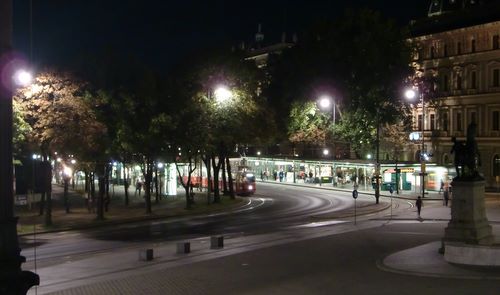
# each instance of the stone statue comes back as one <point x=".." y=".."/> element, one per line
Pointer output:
<point x="467" y="158"/>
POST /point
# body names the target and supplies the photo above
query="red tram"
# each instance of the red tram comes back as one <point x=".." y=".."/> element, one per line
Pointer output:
<point x="244" y="182"/>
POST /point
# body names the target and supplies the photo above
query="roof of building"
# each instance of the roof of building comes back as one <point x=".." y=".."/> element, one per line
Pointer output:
<point x="455" y="19"/>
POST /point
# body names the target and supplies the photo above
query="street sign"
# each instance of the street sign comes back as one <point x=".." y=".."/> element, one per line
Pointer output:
<point x="355" y="194"/>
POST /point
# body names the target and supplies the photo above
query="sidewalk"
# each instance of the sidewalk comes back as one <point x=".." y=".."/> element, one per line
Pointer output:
<point x="80" y="217"/>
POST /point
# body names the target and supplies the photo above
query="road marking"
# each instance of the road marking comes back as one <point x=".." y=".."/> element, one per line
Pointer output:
<point x="318" y="224"/>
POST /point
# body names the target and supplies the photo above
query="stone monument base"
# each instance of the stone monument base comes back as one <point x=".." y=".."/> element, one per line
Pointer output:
<point x="467" y="254"/>
<point x="468" y="222"/>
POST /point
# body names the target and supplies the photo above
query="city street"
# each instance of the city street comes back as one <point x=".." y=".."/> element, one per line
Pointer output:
<point x="285" y="239"/>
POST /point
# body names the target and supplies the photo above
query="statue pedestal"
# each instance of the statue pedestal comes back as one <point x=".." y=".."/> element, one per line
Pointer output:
<point x="468" y="239"/>
<point x="468" y="222"/>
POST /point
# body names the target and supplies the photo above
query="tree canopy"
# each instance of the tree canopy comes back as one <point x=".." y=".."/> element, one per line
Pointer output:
<point x="361" y="60"/>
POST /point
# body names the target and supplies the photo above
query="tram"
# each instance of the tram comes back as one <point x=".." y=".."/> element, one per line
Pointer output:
<point x="244" y="182"/>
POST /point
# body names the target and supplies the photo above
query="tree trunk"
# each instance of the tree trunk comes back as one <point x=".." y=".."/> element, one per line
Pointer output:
<point x="126" y="184"/>
<point x="225" y="191"/>
<point x="42" y="203"/>
<point x="107" y="199"/>
<point x="216" y="168"/>
<point x="86" y="184"/>
<point x="47" y="172"/>
<point x="92" y="193"/>
<point x="230" y="176"/>
<point x="156" y="179"/>
<point x="147" y="184"/>
<point x="65" y="196"/>
<point x="100" y="202"/>
<point x="206" y="160"/>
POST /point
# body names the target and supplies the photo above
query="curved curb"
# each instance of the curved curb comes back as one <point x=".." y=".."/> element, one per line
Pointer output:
<point x="442" y="268"/>
<point x="380" y="265"/>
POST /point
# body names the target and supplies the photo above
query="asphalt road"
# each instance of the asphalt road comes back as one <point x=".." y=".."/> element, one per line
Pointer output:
<point x="286" y="240"/>
<point x="272" y="209"/>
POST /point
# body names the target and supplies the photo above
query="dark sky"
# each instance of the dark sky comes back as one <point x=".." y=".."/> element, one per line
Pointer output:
<point x="163" y="31"/>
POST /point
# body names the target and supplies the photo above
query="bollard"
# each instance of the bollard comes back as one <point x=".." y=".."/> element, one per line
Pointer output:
<point x="183" y="247"/>
<point x="216" y="242"/>
<point x="145" y="254"/>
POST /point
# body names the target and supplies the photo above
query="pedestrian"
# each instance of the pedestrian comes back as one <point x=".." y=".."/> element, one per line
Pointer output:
<point x="441" y="187"/>
<point x="418" y="203"/>
<point x="138" y="186"/>
<point x="391" y="190"/>
<point x="446" y="195"/>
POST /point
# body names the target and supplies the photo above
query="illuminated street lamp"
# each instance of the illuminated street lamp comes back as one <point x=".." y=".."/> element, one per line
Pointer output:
<point x="23" y="78"/>
<point x="222" y="94"/>
<point x="410" y="94"/>
<point x="325" y="102"/>
<point x="13" y="280"/>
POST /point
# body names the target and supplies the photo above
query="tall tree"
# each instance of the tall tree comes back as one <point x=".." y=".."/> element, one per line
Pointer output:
<point x="61" y="119"/>
<point x="362" y="60"/>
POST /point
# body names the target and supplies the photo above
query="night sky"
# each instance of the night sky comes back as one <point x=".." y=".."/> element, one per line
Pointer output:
<point x="161" y="32"/>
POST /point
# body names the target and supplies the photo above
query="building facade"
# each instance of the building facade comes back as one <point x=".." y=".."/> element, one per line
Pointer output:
<point x="458" y="45"/>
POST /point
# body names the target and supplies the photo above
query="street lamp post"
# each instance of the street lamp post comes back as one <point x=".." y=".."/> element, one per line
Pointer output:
<point x="12" y="279"/>
<point x="411" y="94"/>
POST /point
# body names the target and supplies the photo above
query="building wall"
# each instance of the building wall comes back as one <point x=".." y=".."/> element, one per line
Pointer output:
<point x="466" y="65"/>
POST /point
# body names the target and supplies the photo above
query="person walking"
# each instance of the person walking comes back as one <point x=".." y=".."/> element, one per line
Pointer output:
<point x="138" y="186"/>
<point x="418" y="203"/>
<point x="446" y="195"/>
<point x="441" y="187"/>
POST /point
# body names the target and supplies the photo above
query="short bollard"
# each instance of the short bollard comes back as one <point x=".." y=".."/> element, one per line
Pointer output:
<point x="146" y="254"/>
<point x="216" y="242"/>
<point x="183" y="247"/>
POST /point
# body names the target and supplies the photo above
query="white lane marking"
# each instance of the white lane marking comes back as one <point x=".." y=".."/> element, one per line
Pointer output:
<point x="318" y="224"/>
